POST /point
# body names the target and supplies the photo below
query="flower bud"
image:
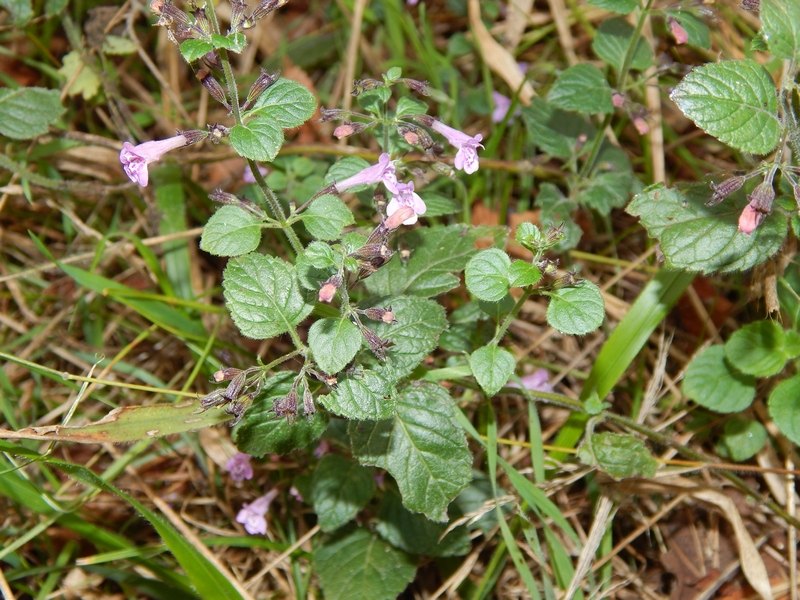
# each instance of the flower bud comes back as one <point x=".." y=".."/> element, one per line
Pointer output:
<point x="762" y="196"/>
<point x="415" y="135"/>
<point x="226" y="374"/>
<point x="725" y="189"/>
<point x="750" y="219"/>
<point x="215" y="90"/>
<point x="403" y="213"/>
<point x="221" y="197"/>
<point x="332" y="114"/>
<point x="421" y="87"/>
<point x="287" y="406"/>
<point x="677" y="31"/>
<point x="380" y="314"/>
<point x="375" y="343"/>
<point x="235" y="387"/>
<point x="618" y="100"/>
<point x="237" y="14"/>
<point x="308" y="403"/>
<point x="347" y="129"/>
<point x="328" y="289"/>
<point x="265" y="7"/>
<point x="641" y="125"/>
<point x="260" y="85"/>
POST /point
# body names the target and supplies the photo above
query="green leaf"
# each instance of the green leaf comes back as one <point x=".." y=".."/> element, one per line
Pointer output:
<point x="712" y="382"/>
<point x="704" y="238"/>
<point x="576" y="310"/>
<point x="415" y="534"/>
<point x="437" y="253"/>
<point x="611" y="43"/>
<point x="492" y="366"/>
<point x="487" y="274"/>
<point x="785" y="409"/>
<point x="619" y="455"/>
<point x="257" y="140"/>
<point x="21" y="10"/>
<point x="757" y="349"/>
<point x="361" y="394"/>
<point x="357" y="565"/>
<point x="780" y="26"/>
<point x="231" y="231"/>
<point x="326" y="217"/>
<point x="316" y="264"/>
<point x="422" y="447"/>
<point x="733" y="100"/>
<point x="117" y="45"/>
<point x="262" y="432"/>
<point x="553" y="130"/>
<point x="191" y="50"/>
<point x="409" y="106"/>
<point x="28" y="112"/>
<point x="339" y="489"/>
<point x="582" y="88"/>
<point x="438" y="205"/>
<point x="743" y="438"/>
<point x="607" y="190"/>
<point x="82" y="79"/>
<point x="235" y="42"/>
<point x="522" y="274"/>
<point x="622" y="7"/>
<point x="263" y="295"/>
<point x="696" y="30"/>
<point x="285" y="103"/>
<point x="334" y="343"/>
<point x="557" y="211"/>
<point x="393" y="74"/>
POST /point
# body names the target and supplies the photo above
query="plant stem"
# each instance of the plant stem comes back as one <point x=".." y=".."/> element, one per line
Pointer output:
<point x="511" y="316"/>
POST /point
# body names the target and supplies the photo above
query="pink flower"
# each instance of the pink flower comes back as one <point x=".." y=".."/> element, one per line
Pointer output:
<point x="750" y="219"/>
<point x="239" y="467"/>
<point x="383" y="171"/>
<point x="501" y="105"/>
<point x="253" y="515"/>
<point x="405" y="197"/>
<point x="135" y="159"/>
<point x="467" y="155"/>
<point x="536" y="381"/>
<point x="678" y="32"/>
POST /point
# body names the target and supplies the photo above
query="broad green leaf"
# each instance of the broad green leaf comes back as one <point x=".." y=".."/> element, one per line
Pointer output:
<point x="606" y="190"/>
<point x="784" y="408"/>
<point x="582" y="88"/>
<point x="421" y="446"/>
<point x="743" y="438"/>
<point x="285" y="103"/>
<point x="521" y="273"/>
<point x="334" y="343"/>
<point x="316" y="264"/>
<point x="231" y="231"/>
<point x="362" y="394"/>
<point x="696" y="30"/>
<point x="339" y="489"/>
<point x="257" y="140"/>
<point x="263" y="295"/>
<point x="416" y="534"/>
<point x="712" y="382"/>
<point x="733" y="100"/>
<point x="28" y="112"/>
<point x="357" y="565"/>
<point x="553" y="130"/>
<point x="437" y="253"/>
<point x="576" y="310"/>
<point x="82" y="79"/>
<point x="191" y="50"/>
<point x="235" y="42"/>
<point x="438" y="205"/>
<point x="118" y="45"/>
<point x="619" y="455"/>
<point x="393" y="74"/>
<point x="326" y="217"/>
<point x="622" y="7"/>
<point x="611" y="43"/>
<point x="704" y="238"/>
<point x="409" y="106"/>
<point x="21" y="11"/>
<point x="492" y="366"/>
<point x="262" y="432"/>
<point x="780" y="26"/>
<point x="487" y="274"/>
<point x="757" y="349"/>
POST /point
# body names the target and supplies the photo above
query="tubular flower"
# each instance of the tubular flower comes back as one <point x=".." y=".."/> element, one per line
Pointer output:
<point x="253" y="515"/>
<point x="501" y="105"/>
<point x="135" y="159"/>
<point x="239" y="467"/>
<point x="405" y="197"/>
<point x="467" y="155"/>
<point x="382" y="171"/>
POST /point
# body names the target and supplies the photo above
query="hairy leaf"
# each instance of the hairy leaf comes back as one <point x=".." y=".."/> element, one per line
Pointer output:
<point x="231" y="231"/>
<point x="28" y="112"/>
<point x="492" y="367"/>
<point x="339" y="489"/>
<point x="712" y="382"/>
<point x="334" y="343"/>
<point x="285" y="103"/>
<point x="576" y="310"/>
<point x="487" y="275"/>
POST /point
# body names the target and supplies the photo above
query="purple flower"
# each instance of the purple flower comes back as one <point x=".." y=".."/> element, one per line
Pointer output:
<point x="412" y="2"/>
<point x="252" y="515"/>
<point x="467" y="155"/>
<point x="239" y="467"/>
<point x="501" y="105"/>
<point x="135" y="159"/>
<point x="383" y="171"/>
<point x="405" y="196"/>
<point x="248" y="176"/>
<point x="536" y="381"/>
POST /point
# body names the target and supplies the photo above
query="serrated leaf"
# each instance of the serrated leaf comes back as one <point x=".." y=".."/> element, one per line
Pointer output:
<point x="704" y="238"/>
<point x="605" y="191"/>
<point x="784" y="408"/>
<point x="553" y="130"/>
<point x="362" y="394"/>
<point x="522" y="274"/>
<point x="231" y="231"/>
<point x="619" y="455"/>
<point x="780" y="26"/>
<point x="582" y="88"/>
<point x="334" y="343"/>
<point x="82" y="79"/>
<point x="316" y="264"/>
<point x="339" y="489"/>
<point x="285" y="103"/>
<point x="622" y="7"/>
<point x="611" y="43"/>
<point x="733" y="100"/>
<point x="28" y="112"/>
<point x="409" y="106"/>
<point x="326" y="217"/>
<point x="487" y="274"/>
<point x="257" y="140"/>
<point x="422" y="447"/>
<point x="757" y="349"/>
<point x="743" y="438"/>
<point x="263" y="295"/>
<point x="576" y="310"/>
<point x="438" y="205"/>
<point x="262" y="432"/>
<point x="191" y="50"/>
<point x="118" y="46"/>
<point x="415" y="534"/>
<point x="235" y="42"/>
<point x="492" y="366"/>
<point x="712" y="382"/>
<point x="437" y="254"/>
<point x="357" y="565"/>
